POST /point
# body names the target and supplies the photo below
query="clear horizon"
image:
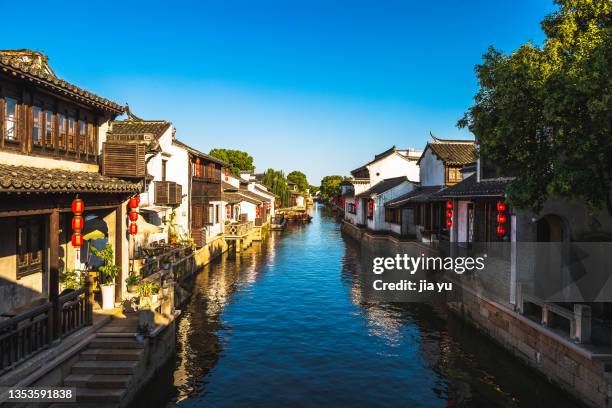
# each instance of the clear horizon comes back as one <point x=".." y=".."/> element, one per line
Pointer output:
<point x="318" y="87"/>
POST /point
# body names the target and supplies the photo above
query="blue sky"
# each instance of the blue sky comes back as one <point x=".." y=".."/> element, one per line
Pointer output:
<point x="318" y="86"/>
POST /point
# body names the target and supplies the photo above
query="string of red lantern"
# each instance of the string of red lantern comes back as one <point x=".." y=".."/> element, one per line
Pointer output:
<point x="226" y="171"/>
<point x="449" y="214"/>
<point x="356" y="201"/>
<point x="198" y="170"/>
<point x="133" y="214"/>
<point x="78" y="207"/>
<point x="228" y="211"/>
<point x="501" y="218"/>
<point x="371" y="207"/>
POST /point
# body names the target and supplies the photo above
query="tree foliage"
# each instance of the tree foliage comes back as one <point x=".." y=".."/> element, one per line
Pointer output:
<point x="330" y="186"/>
<point x="545" y="112"/>
<point x="237" y="160"/>
<point x="277" y="183"/>
<point x="300" y="179"/>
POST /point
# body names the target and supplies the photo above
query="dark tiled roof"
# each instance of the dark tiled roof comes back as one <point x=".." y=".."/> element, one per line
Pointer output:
<point x="383" y="186"/>
<point x="254" y="195"/>
<point x="139" y="127"/>
<point x="44" y="180"/>
<point x="235" y="198"/>
<point x="266" y="191"/>
<point x="418" y="195"/>
<point x="472" y="188"/>
<point x="452" y="153"/>
<point x="33" y="65"/>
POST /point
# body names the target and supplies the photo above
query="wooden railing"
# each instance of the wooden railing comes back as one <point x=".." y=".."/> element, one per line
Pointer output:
<point x="238" y="229"/>
<point x="75" y="311"/>
<point x="28" y="333"/>
<point x="24" y="335"/>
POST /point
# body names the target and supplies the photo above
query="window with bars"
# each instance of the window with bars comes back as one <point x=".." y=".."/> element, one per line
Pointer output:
<point x="393" y="215"/>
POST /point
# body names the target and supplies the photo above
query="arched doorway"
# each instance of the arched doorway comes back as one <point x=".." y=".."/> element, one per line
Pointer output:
<point x="551" y="228"/>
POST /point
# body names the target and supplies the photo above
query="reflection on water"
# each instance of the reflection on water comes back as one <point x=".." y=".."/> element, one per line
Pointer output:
<point x="282" y="324"/>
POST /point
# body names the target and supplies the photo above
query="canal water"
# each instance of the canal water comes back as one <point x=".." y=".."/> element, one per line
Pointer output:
<point x="281" y="325"/>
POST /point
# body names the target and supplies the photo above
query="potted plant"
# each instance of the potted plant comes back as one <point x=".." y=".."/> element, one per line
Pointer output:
<point x="148" y="293"/>
<point x="132" y="282"/>
<point x="172" y="233"/>
<point x="109" y="272"/>
<point x="154" y="293"/>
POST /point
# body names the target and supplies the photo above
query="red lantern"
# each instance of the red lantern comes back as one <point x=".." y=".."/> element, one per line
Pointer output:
<point x="198" y="170"/>
<point x="133" y="228"/>
<point x="258" y="211"/>
<point x="133" y="216"/>
<point x="77" y="240"/>
<point x="133" y="203"/>
<point x="356" y="201"/>
<point x="371" y="206"/>
<point x="501" y="206"/>
<point x="78" y="206"/>
<point x="501" y="218"/>
<point x="449" y="205"/>
<point x="226" y="172"/>
<point x="449" y="223"/>
<point x="449" y="213"/>
<point x="77" y="223"/>
<point x="501" y="230"/>
<point x="138" y="199"/>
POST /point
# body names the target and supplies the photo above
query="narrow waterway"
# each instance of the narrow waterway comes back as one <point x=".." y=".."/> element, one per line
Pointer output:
<point x="281" y="325"/>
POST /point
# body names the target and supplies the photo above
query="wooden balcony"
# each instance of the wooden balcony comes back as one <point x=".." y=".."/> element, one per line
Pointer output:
<point x="208" y="174"/>
<point x="168" y="193"/>
<point x="203" y="191"/>
<point x="121" y="159"/>
<point x="238" y="229"/>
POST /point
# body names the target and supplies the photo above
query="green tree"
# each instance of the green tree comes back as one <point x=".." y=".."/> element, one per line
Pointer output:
<point x="545" y="112"/>
<point x="313" y="189"/>
<point x="300" y="179"/>
<point x="330" y="186"/>
<point x="237" y="160"/>
<point x="277" y="183"/>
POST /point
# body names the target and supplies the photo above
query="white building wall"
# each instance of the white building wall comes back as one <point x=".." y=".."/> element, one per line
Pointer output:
<point x="391" y="166"/>
<point x="432" y="170"/>
<point x="378" y="223"/>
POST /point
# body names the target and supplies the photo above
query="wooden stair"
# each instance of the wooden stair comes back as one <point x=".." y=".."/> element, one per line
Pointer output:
<point x="104" y="369"/>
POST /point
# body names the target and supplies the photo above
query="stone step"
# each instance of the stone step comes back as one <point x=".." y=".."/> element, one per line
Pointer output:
<point x="83" y="380"/>
<point x="104" y="367"/>
<point x="109" y="354"/>
<point x="99" y="395"/>
<point x="116" y="343"/>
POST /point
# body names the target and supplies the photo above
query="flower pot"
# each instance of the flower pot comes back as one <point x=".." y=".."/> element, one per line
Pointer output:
<point x="154" y="299"/>
<point x="132" y="288"/>
<point x="108" y="296"/>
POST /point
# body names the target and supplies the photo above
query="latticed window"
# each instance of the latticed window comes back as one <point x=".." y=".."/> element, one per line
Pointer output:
<point x="49" y="130"/>
<point x="83" y="136"/>
<point x="10" y="120"/>
<point x="29" y="246"/>
<point x="61" y="139"/>
<point x="37" y="122"/>
<point x="71" y="133"/>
